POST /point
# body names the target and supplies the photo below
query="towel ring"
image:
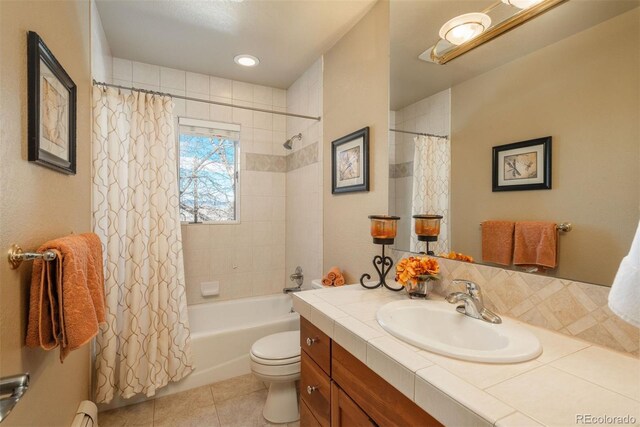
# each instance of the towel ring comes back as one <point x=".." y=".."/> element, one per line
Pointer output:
<point x="17" y="255"/>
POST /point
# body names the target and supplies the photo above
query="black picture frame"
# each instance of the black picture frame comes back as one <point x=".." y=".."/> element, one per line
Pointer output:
<point x="56" y="103"/>
<point x="522" y="165"/>
<point x="346" y="150"/>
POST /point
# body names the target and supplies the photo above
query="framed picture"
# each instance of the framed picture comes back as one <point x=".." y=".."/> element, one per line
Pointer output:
<point x="52" y="109"/>
<point x="522" y="165"/>
<point x="350" y="163"/>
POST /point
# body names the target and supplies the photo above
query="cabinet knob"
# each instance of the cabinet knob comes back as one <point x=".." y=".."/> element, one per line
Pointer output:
<point x="311" y="341"/>
<point x="311" y="389"/>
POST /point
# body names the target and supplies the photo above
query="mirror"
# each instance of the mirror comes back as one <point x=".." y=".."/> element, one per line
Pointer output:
<point x="572" y="73"/>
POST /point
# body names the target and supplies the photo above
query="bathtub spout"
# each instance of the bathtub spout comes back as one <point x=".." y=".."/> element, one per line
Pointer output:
<point x="291" y="290"/>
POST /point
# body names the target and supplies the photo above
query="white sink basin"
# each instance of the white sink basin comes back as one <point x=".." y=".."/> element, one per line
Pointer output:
<point x="437" y="327"/>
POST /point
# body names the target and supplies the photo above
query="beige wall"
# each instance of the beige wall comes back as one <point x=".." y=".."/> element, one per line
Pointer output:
<point x="38" y="204"/>
<point x="584" y="92"/>
<point x="355" y="95"/>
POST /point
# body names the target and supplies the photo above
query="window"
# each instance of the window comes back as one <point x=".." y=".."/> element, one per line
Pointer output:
<point x="208" y="171"/>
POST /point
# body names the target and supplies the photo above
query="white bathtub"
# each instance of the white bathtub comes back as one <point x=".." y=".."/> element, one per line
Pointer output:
<point x="222" y="334"/>
<point x="221" y="337"/>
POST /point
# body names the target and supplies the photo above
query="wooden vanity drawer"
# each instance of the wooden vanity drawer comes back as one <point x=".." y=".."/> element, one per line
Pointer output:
<point x="383" y="403"/>
<point x="306" y="417"/>
<point x="315" y="390"/>
<point x="316" y="344"/>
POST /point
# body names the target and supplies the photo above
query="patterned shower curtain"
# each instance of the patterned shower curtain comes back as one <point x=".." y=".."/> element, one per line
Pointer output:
<point x="145" y="342"/>
<point x="431" y="181"/>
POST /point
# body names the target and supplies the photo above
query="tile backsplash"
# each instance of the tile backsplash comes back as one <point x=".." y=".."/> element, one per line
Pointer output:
<point x="576" y="309"/>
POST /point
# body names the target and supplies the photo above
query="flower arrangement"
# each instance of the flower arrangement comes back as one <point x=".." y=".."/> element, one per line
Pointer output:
<point x="410" y="271"/>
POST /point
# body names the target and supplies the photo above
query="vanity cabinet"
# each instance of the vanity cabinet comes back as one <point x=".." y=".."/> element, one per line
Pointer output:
<point x="337" y="389"/>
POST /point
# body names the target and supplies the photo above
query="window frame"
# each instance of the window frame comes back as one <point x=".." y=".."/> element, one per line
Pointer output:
<point x="238" y="176"/>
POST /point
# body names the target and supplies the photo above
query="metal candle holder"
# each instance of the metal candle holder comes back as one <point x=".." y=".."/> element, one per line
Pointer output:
<point x="383" y="231"/>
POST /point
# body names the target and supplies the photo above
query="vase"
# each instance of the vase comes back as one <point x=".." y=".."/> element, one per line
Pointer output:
<point x="420" y="289"/>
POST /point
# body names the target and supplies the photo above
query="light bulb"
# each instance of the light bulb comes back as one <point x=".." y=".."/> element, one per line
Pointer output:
<point x="465" y="27"/>
<point x="246" y="60"/>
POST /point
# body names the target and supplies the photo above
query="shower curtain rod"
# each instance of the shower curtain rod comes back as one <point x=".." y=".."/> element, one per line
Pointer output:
<point x="206" y="101"/>
<point x="420" y="133"/>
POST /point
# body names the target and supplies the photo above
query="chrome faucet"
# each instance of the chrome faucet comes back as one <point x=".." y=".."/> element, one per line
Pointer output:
<point x="473" y="305"/>
<point x="298" y="278"/>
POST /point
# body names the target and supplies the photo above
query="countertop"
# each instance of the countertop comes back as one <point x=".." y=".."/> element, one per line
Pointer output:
<point x="569" y="382"/>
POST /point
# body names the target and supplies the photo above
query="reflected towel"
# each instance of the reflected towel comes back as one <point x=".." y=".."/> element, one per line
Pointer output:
<point x="624" y="297"/>
<point x="497" y="242"/>
<point x="535" y="243"/>
<point x="67" y="294"/>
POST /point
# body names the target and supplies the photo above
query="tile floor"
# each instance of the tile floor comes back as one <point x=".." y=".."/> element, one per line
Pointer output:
<point x="236" y="402"/>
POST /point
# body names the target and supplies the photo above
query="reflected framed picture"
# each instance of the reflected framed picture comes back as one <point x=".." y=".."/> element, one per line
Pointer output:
<point x="522" y="165"/>
<point x="350" y="163"/>
<point x="52" y="109"/>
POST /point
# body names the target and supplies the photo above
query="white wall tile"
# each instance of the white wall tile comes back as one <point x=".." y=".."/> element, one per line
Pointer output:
<point x="242" y="91"/>
<point x="198" y="83"/>
<point x="279" y="98"/>
<point x="220" y="87"/>
<point x="146" y="74"/>
<point x="171" y="78"/>
<point x="263" y="95"/>
<point x="122" y="69"/>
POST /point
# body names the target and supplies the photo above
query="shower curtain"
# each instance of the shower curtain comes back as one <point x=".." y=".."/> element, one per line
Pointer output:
<point x="431" y="181"/>
<point x="145" y="342"/>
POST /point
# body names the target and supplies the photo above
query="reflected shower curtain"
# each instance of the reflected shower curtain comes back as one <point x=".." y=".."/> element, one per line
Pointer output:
<point x="145" y="342"/>
<point x="431" y="181"/>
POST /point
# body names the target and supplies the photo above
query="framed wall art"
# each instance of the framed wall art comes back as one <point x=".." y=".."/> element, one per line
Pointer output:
<point x="522" y="165"/>
<point x="350" y="163"/>
<point x="52" y="109"/>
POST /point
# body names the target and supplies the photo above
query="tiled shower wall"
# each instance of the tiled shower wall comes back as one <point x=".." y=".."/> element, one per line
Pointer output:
<point x="304" y="176"/>
<point x="429" y="115"/>
<point x="248" y="259"/>
<point x="573" y="308"/>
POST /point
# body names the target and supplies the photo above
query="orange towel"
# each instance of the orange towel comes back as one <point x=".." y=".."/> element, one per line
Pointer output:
<point x="67" y="294"/>
<point x="339" y="280"/>
<point x="497" y="242"/>
<point x="536" y="243"/>
<point x="326" y="282"/>
<point x="333" y="273"/>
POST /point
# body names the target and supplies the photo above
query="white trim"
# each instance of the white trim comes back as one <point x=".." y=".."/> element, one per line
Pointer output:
<point x="185" y="121"/>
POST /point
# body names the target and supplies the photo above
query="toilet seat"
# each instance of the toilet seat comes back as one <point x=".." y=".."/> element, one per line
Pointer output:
<point x="277" y="349"/>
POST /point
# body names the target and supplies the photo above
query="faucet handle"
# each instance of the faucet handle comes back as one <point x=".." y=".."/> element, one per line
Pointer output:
<point x="473" y="289"/>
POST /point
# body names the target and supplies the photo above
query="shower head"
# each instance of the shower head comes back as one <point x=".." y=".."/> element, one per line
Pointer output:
<point x="289" y="143"/>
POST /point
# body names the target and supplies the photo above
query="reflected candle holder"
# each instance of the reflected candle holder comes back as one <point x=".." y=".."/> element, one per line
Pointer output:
<point x="383" y="231"/>
<point x="427" y="227"/>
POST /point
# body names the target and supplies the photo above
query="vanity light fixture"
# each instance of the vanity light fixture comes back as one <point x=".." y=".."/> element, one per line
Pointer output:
<point x="463" y="28"/>
<point x="521" y="4"/>
<point x="246" y="60"/>
<point x="466" y="32"/>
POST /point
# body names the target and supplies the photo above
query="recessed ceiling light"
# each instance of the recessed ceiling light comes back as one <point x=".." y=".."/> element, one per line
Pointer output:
<point x="465" y="27"/>
<point x="522" y="4"/>
<point x="246" y="60"/>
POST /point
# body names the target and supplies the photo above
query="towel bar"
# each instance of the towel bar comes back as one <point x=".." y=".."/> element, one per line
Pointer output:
<point x="16" y="256"/>
<point x="563" y="226"/>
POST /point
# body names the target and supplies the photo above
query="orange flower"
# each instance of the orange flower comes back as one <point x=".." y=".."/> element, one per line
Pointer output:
<point x="413" y="269"/>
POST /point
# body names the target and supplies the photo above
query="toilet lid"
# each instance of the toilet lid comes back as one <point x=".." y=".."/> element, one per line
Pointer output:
<point x="283" y="345"/>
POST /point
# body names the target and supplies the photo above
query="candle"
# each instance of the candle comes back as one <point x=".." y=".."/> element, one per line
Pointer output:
<point x="384" y="228"/>
<point x="427" y="225"/>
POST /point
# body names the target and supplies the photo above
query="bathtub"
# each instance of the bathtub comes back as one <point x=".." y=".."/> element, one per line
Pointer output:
<point x="221" y="337"/>
<point x="222" y="334"/>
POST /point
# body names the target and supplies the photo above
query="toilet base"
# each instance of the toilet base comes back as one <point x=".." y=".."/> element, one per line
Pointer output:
<point x="282" y="403"/>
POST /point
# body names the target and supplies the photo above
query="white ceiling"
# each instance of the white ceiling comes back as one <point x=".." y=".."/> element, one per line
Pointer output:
<point x="415" y="25"/>
<point x="204" y="36"/>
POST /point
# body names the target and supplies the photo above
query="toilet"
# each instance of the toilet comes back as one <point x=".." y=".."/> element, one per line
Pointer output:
<point x="275" y="359"/>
